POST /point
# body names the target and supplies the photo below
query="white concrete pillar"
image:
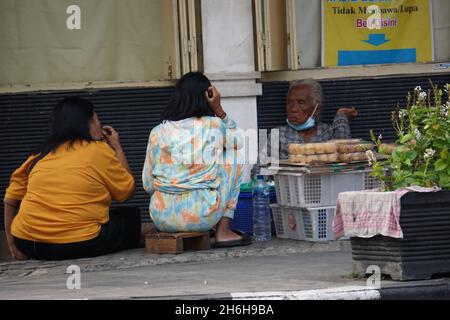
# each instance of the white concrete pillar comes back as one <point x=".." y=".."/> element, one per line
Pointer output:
<point x="228" y="56"/>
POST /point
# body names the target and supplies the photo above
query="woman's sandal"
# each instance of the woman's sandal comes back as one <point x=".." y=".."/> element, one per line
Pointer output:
<point x="243" y="241"/>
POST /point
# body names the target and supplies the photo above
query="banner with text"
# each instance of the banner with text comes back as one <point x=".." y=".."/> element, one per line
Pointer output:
<point x="360" y="32"/>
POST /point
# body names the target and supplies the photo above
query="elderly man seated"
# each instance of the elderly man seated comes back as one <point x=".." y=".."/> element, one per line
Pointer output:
<point x="303" y="106"/>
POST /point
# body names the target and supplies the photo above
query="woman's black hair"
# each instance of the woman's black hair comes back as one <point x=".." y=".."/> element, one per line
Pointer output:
<point x="188" y="100"/>
<point x="69" y="123"/>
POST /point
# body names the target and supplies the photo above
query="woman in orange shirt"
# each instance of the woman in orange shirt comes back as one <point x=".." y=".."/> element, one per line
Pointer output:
<point x="57" y="203"/>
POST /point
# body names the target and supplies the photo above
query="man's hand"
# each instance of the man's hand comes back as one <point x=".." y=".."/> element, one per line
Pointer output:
<point x="351" y="113"/>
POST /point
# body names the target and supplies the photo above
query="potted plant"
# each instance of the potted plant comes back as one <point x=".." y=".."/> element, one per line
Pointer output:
<point x="421" y="157"/>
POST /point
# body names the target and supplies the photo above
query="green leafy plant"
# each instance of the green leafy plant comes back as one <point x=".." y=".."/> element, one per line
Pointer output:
<point x="421" y="156"/>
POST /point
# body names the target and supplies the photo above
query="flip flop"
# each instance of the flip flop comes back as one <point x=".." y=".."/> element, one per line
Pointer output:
<point x="243" y="241"/>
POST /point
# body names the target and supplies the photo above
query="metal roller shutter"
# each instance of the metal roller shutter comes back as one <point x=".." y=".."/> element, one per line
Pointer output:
<point x="133" y="112"/>
<point x="375" y="99"/>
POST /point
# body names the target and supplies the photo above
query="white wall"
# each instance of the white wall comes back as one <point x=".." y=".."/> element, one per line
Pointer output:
<point x="228" y="51"/>
<point x="309" y="33"/>
<point x="441" y="29"/>
<point x="228" y="36"/>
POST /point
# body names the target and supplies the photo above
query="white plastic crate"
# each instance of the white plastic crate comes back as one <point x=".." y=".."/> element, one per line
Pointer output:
<point x="288" y="224"/>
<point x="319" y="190"/>
<point x="311" y="224"/>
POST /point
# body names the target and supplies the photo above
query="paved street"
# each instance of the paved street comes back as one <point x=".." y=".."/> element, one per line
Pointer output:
<point x="280" y="269"/>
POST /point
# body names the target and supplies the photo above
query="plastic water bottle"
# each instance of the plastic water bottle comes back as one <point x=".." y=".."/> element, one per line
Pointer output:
<point x="261" y="210"/>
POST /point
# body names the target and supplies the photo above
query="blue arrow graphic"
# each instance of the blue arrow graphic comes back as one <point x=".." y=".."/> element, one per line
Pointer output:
<point x="377" y="39"/>
<point x="351" y="58"/>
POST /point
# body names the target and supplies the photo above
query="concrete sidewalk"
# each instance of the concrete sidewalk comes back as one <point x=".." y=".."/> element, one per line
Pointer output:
<point x="279" y="269"/>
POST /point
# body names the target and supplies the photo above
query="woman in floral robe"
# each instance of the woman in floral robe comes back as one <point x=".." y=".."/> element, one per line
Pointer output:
<point x="192" y="169"/>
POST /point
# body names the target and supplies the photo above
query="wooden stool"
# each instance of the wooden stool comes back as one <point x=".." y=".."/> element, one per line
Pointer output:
<point x="176" y="243"/>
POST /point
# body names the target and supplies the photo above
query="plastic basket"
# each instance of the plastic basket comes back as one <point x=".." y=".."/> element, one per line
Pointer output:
<point x="288" y="223"/>
<point x="243" y="215"/>
<point x="311" y="224"/>
<point x="319" y="190"/>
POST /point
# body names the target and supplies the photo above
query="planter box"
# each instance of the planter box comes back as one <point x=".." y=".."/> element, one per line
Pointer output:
<point x="424" y="250"/>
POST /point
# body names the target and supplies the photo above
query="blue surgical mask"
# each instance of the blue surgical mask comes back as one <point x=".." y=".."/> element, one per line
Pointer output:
<point x="310" y="123"/>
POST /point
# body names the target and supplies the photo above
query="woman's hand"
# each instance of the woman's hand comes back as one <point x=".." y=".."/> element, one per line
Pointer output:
<point x="10" y="210"/>
<point x="213" y="98"/>
<point x="111" y="137"/>
<point x="15" y="253"/>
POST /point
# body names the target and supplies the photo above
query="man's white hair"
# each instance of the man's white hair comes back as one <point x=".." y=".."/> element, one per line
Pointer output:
<point x="316" y="89"/>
